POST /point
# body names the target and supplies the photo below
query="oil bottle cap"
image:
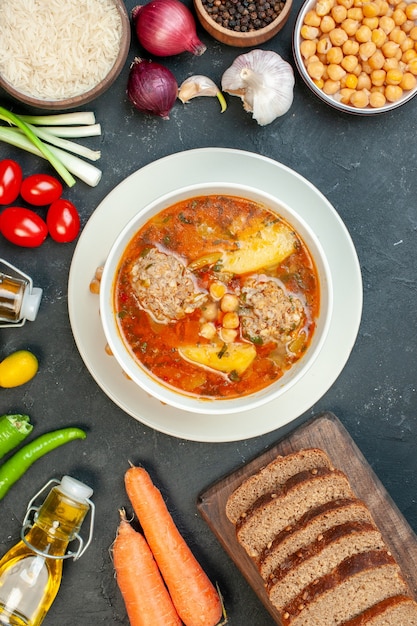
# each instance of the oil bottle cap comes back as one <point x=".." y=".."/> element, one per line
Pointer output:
<point x="30" y="304"/>
<point x="75" y="489"/>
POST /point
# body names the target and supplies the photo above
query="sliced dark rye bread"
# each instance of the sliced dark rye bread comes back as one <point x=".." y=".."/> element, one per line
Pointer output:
<point x="352" y="587"/>
<point x="395" y="611"/>
<point x="272" y="477"/>
<point x="306" y="530"/>
<point x="272" y="513"/>
<point x="320" y="557"/>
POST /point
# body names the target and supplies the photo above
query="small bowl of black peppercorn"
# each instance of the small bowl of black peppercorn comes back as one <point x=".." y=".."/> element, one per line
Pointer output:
<point x="242" y="23"/>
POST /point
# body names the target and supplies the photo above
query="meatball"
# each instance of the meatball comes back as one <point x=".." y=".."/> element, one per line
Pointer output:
<point x="164" y="287"/>
<point x="268" y="313"/>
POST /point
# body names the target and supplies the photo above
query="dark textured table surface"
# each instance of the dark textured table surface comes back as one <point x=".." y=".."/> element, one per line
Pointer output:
<point x="366" y="167"/>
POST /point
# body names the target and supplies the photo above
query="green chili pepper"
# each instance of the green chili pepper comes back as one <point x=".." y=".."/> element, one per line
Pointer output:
<point x="13" y="430"/>
<point x="19" y="463"/>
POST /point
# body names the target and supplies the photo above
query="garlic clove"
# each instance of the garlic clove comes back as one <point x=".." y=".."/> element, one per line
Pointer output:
<point x="264" y="82"/>
<point x="199" y="85"/>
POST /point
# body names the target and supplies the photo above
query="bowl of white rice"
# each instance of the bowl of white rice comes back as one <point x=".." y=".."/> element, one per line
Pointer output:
<point x="60" y="55"/>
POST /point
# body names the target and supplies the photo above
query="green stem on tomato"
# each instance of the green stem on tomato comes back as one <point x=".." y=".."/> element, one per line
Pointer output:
<point x="13" y="430"/>
<point x="14" y="468"/>
<point x="15" y="120"/>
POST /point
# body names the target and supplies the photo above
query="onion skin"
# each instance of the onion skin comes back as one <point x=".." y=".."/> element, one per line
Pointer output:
<point x="166" y="27"/>
<point x="152" y="88"/>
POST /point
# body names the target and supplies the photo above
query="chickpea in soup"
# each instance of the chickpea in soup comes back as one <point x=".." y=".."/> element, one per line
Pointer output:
<point x="217" y="296"/>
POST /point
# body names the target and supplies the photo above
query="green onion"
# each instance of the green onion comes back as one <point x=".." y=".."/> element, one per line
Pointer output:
<point x="46" y="136"/>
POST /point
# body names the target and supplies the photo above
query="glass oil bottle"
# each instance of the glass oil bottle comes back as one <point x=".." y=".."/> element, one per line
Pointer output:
<point x="30" y="572"/>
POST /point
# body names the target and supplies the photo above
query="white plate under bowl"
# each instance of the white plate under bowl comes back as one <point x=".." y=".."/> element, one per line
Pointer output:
<point x="193" y="167"/>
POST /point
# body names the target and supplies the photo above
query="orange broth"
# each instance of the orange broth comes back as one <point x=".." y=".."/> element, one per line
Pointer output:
<point x="191" y="229"/>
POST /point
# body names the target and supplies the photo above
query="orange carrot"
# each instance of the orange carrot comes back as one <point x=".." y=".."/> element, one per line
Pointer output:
<point x="144" y="593"/>
<point x="195" y="598"/>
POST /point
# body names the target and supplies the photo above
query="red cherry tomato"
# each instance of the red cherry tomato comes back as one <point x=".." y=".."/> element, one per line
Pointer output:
<point x="40" y="189"/>
<point x="23" y="227"/>
<point x="63" y="221"/>
<point x="10" y="180"/>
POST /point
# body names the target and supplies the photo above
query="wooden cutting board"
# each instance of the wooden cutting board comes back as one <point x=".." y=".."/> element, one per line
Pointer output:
<point x="326" y="432"/>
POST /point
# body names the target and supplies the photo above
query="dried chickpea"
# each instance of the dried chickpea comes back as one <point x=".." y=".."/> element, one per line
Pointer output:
<point x="350" y="26"/>
<point x="413" y="33"/>
<point x="309" y="32"/>
<point x="394" y="77"/>
<point x="386" y="23"/>
<point x="358" y="69"/>
<point x="399" y="17"/>
<point x="323" y="7"/>
<point x="412" y="66"/>
<point x="210" y="311"/>
<point x="336" y="72"/>
<point x="411" y="11"/>
<point x="408" y="26"/>
<point x="378" y="37"/>
<point x="350" y="47"/>
<point x="371" y="22"/>
<point x="339" y="13"/>
<point x="331" y="87"/>
<point x="377" y="99"/>
<point x="327" y="24"/>
<point x="334" y="55"/>
<point x="364" y="81"/>
<point x="393" y="93"/>
<point x="312" y="19"/>
<point x="397" y="35"/>
<point x="390" y="49"/>
<point x="324" y="45"/>
<point x="319" y="83"/>
<point x="351" y="81"/>
<point x="377" y="60"/>
<point x="345" y="95"/>
<point x="355" y="13"/>
<point x="408" y="55"/>
<point x="391" y="64"/>
<point x="315" y="69"/>
<point x="378" y="77"/>
<point x="363" y="34"/>
<point x="383" y="7"/>
<point x="359" y="99"/>
<point x="228" y="335"/>
<point x="345" y="3"/>
<point x="408" y="82"/>
<point x="366" y="68"/>
<point x="338" y="36"/>
<point x="349" y="62"/>
<point x="307" y="48"/>
<point x="366" y="50"/>
<point x="208" y="330"/>
<point x="370" y="9"/>
<point x="407" y="44"/>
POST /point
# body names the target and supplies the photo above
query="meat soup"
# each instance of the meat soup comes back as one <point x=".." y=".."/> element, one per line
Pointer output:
<point x="217" y="296"/>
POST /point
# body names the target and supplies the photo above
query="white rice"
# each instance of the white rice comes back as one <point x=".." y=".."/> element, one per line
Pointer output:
<point x="57" y="49"/>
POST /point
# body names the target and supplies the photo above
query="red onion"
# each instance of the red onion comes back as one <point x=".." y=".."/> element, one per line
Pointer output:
<point x="152" y="88"/>
<point x="166" y="27"/>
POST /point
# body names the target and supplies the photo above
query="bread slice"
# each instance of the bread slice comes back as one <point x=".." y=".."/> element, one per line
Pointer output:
<point x="306" y="530"/>
<point x="320" y="557"/>
<point x="272" y="477"/>
<point x="352" y="587"/>
<point x="272" y="513"/>
<point x="395" y="611"/>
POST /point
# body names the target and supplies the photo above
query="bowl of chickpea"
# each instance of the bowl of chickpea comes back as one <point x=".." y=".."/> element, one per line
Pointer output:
<point x="358" y="56"/>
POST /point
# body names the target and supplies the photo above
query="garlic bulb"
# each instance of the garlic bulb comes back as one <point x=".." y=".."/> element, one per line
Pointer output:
<point x="264" y="82"/>
<point x="200" y="86"/>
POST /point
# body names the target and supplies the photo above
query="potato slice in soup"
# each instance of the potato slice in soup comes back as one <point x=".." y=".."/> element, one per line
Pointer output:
<point x="264" y="248"/>
<point x="236" y="357"/>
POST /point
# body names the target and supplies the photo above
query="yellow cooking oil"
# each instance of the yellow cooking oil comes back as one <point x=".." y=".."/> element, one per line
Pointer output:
<point x="31" y="571"/>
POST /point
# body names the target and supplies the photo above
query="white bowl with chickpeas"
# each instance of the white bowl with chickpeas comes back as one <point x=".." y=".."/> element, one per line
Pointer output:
<point x="216" y="298"/>
<point x="359" y="56"/>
